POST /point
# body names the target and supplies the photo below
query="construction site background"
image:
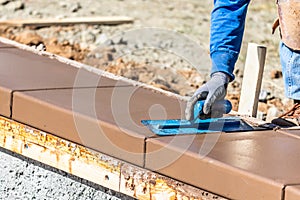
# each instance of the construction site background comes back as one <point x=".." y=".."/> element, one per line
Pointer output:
<point x="84" y="43"/>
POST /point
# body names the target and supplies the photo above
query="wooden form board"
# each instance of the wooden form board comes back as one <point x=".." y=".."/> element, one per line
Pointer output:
<point x="113" y="20"/>
<point x="93" y="166"/>
<point x="252" y="79"/>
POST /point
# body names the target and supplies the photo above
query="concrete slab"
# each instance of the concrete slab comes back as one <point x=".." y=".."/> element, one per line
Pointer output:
<point x="104" y="119"/>
<point x="22" y="70"/>
<point x="292" y="192"/>
<point x="3" y="45"/>
<point x="246" y="165"/>
<point x="5" y="101"/>
<point x="290" y="132"/>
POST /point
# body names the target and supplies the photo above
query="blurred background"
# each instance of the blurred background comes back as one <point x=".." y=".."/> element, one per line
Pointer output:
<point x="96" y="45"/>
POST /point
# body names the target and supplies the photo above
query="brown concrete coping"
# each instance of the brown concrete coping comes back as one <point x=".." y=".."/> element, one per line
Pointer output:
<point x="290" y="132"/>
<point x="292" y="192"/>
<point x="3" y="45"/>
<point x="245" y="165"/>
<point x="22" y="70"/>
<point x="5" y="101"/>
<point x="107" y="119"/>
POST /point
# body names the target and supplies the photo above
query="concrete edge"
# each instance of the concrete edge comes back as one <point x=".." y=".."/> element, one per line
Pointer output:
<point x="90" y="68"/>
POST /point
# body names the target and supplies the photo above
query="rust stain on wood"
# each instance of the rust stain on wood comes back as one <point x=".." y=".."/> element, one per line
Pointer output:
<point x="70" y="164"/>
<point x="144" y="184"/>
<point x="59" y="153"/>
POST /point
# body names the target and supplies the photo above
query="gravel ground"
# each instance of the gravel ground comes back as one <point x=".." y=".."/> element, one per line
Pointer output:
<point x="23" y="178"/>
<point x="163" y="57"/>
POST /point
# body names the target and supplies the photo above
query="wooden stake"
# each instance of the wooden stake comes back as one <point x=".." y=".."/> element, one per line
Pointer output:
<point x="113" y="20"/>
<point x="252" y="79"/>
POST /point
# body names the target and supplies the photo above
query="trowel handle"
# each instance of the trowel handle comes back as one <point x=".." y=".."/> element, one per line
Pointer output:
<point x="221" y="106"/>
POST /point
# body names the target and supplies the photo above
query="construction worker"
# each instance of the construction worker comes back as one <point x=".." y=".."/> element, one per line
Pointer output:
<point x="227" y="29"/>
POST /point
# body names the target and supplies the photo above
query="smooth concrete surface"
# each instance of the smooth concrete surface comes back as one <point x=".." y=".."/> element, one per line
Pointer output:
<point x="23" y="70"/>
<point x="105" y="119"/>
<point x="292" y="192"/>
<point x="5" y="101"/>
<point x="290" y="132"/>
<point x="249" y="165"/>
<point x="3" y="45"/>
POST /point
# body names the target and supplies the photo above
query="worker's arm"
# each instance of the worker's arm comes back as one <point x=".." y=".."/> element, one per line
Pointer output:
<point x="227" y="29"/>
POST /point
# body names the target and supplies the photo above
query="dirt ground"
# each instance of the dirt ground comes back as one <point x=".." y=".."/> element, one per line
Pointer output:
<point x="128" y="50"/>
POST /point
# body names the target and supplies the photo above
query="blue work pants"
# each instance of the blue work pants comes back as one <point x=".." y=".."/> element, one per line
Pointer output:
<point x="290" y="62"/>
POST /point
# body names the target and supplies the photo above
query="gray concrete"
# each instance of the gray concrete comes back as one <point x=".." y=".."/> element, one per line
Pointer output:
<point x="22" y="178"/>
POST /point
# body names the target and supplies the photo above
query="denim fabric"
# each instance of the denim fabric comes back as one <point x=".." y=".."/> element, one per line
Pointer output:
<point x="290" y="62"/>
<point x="226" y="33"/>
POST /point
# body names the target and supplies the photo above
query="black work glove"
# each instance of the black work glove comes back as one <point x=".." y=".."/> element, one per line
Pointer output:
<point x="215" y="89"/>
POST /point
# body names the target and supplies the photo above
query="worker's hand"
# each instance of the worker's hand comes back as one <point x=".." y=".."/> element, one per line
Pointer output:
<point x="215" y="89"/>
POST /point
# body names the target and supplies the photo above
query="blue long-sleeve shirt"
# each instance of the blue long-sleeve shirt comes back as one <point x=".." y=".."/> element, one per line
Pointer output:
<point x="227" y="30"/>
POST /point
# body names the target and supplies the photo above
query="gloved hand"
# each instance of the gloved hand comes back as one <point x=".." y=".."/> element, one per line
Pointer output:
<point x="215" y="89"/>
